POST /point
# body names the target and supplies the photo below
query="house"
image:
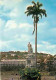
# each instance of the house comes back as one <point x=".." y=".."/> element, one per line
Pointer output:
<point x="13" y="55"/>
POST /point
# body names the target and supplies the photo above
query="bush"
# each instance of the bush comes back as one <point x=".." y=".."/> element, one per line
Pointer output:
<point x="30" y="74"/>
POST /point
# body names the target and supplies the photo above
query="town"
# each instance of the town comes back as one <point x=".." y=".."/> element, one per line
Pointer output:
<point x="17" y="59"/>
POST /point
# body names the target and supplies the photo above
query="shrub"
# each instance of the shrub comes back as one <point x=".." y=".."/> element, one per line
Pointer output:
<point x="30" y="74"/>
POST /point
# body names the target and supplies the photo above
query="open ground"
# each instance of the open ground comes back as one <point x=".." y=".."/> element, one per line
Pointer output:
<point x="13" y="75"/>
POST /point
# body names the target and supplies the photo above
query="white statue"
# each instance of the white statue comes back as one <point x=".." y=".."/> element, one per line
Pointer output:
<point x="30" y="50"/>
<point x="30" y="57"/>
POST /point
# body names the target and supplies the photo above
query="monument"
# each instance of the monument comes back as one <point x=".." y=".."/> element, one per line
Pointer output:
<point x="30" y="50"/>
<point x="30" y="56"/>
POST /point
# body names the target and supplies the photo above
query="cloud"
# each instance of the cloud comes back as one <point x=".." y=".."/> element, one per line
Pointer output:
<point x="47" y="47"/>
<point x="10" y="25"/>
<point x="1" y="3"/>
<point x="16" y="32"/>
<point x="15" y="26"/>
<point x="4" y="44"/>
<point x="14" y="13"/>
<point x="9" y="4"/>
<point x="25" y="25"/>
<point x="1" y="23"/>
<point x="42" y="26"/>
<point x="46" y="32"/>
<point x="45" y="43"/>
<point x="10" y="14"/>
<point x="24" y="37"/>
<point x="26" y="28"/>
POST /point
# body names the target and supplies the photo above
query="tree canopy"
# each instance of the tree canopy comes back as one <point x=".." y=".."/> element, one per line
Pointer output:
<point x="35" y="10"/>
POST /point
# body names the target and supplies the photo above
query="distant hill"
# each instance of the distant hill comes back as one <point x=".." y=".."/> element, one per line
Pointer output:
<point x="19" y="55"/>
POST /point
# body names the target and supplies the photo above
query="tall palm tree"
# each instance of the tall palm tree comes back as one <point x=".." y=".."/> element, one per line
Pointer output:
<point x="36" y="12"/>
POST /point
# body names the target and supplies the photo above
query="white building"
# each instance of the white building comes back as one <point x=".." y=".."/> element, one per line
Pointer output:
<point x="13" y="62"/>
<point x="13" y="55"/>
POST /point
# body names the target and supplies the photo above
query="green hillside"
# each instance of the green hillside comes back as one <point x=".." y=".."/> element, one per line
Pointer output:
<point x="20" y="55"/>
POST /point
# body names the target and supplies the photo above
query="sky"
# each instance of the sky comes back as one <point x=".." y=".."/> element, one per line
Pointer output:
<point x="16" y="28"/>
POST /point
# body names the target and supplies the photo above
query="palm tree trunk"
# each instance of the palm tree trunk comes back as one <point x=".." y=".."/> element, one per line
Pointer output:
<point x="36" y="44"/>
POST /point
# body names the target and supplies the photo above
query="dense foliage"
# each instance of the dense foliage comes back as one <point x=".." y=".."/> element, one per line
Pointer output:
<point x="30" y="74"/>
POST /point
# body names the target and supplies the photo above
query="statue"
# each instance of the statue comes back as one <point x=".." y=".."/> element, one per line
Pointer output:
<point x="30" y="50"/>
<point x="30" y="56"/>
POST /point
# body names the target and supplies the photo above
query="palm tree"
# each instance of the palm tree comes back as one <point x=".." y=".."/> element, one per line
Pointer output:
<point x="36" y="12"/>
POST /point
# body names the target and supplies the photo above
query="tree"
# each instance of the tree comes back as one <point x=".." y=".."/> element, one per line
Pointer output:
<point x="36" y="12"/>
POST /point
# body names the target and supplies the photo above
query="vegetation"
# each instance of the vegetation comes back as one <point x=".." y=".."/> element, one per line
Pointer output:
<point x="30" y="74"/>
<point x="36" y="12"/>
<point x="51" y="66"/>
<point x="17" y="55"/>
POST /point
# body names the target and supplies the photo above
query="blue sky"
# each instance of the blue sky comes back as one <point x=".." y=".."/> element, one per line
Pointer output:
<point x="16" y="28"/>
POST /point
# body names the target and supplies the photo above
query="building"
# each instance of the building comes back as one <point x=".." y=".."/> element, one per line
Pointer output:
<point x="13" y="62"/>
<point x="13" y="54"/>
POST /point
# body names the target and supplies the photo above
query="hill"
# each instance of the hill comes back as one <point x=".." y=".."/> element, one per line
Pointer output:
<point x="20" y="55"/>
